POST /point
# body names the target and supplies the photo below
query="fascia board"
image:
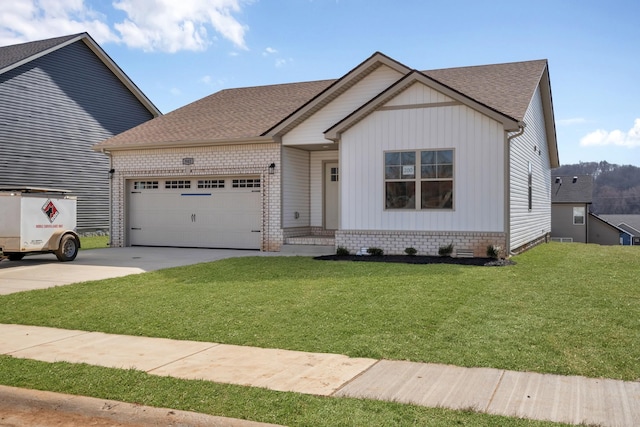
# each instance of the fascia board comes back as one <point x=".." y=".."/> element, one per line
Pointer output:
<point x="42" y="53"/>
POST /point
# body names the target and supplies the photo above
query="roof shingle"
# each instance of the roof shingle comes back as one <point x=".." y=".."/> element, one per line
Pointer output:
<point x="244" y="113"/>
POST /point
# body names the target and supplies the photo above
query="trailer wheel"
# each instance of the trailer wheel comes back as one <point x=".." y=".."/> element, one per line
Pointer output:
<point x="68" y="248"/>
<point x="16" y="256"/>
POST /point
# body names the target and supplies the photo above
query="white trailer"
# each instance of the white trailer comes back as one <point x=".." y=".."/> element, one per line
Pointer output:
<point x="38" y="220"/>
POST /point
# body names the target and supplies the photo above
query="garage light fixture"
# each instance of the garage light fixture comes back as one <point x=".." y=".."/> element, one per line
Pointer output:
<point x="272" y="168"/>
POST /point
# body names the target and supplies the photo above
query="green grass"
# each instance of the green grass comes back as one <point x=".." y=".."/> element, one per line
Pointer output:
<point x="94" y="242"/>
<point x="568" y="309"/>
<point x="234" y="401"/>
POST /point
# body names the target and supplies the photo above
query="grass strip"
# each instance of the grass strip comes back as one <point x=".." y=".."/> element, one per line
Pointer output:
<point x="234" y="401"/>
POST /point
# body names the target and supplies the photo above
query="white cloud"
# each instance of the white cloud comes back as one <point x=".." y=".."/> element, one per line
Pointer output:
<point x="27" y="20"/>
<point x="269" y="51"/>
<point x="572" y="121"/>
<point x="150" y="25"/>
<point x="175" y="91"/>
<point x="602" y="137"/>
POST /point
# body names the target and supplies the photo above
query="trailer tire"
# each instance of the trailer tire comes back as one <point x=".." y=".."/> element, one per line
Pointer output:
<point x="15" y="256"/>
<point x="68" y="248"/>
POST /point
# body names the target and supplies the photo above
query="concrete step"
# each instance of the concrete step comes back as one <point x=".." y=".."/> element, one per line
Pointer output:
<point x="307" y="250"/>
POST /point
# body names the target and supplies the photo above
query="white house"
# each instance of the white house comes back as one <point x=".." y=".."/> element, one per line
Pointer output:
<point x="384" y="156"/>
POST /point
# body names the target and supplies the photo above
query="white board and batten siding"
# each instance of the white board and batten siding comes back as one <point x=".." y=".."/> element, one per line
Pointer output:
<point x="528" y="225"/>
<point x="295" y="188"/>
<point x="311" y="131"/>
<point x="479" y="172"/>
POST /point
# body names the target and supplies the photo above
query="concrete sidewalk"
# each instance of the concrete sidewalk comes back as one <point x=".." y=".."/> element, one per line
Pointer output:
<point x="566" y="399"/>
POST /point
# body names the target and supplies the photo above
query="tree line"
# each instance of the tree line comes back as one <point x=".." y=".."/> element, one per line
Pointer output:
<point x="616" y="188"/>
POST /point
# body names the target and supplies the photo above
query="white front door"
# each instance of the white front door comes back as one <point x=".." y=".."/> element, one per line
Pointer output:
<point x="331" y="196"/>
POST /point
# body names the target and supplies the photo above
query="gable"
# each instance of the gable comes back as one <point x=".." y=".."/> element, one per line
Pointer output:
<point x="310" y="131"/>
<point x="425" y="90"/>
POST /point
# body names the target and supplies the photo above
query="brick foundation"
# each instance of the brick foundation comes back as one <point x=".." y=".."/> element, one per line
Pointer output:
<point x="425" y="242"/>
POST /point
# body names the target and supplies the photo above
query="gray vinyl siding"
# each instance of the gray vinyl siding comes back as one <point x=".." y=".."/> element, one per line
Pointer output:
<point x="52" y="110"/>
<point x="562" y="222"/>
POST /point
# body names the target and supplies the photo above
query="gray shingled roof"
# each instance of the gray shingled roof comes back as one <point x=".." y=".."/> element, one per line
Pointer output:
<point x="13" y="54"/>
<point x="245" y="113"/>
<point x="631" y="221"/>
<point x="566" y="190"/>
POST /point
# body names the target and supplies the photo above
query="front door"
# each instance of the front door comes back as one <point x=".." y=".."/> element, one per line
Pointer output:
<point x="331" y="196"/>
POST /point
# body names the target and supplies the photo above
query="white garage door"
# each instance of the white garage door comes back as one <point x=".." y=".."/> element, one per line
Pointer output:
<point x="202" y="212"/>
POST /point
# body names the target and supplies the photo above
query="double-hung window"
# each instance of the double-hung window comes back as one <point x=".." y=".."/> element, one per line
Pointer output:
<point x="424" y="175"/>
<point x="578" y="215"/>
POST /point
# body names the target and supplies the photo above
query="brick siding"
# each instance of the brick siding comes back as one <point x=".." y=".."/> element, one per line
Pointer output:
<point x="425" y="242"/>
<point x="227" y="160"/>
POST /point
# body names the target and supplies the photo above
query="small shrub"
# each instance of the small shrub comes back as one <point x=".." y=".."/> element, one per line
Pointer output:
<point x="410" y="251"/>
<point x="494" y="251"/>
<point x="342" y="251"/>
<point x="446" y="250"/>
<point x="373" y="251"/>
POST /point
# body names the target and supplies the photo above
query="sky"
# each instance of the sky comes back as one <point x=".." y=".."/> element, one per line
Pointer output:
<point x="178" y="51"/>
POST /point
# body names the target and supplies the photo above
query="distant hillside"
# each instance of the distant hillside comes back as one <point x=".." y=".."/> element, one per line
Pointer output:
<point x="616" y="188"/>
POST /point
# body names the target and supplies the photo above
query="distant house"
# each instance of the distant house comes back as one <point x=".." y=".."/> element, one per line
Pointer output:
<point x="571" y="221"/>
<point x="571" y="197"/>
<point x="630" y="224"/>
<point x="385" y="156"/>
<point x="58" y="97"/>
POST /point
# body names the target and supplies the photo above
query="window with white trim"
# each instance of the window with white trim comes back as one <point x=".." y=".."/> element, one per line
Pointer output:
<point x="177" y="184"/>
<point x="578" y="215"/>
<point x="246" y="183"/>
<point x="530" y="187"/>
<point x="211" y="183"/>
<point x="425" y="175"/>
<point x="145" y="185"/>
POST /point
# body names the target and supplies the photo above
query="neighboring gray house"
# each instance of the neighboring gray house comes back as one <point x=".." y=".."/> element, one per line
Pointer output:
<point x="384" y="156"/>
<point x="58" y="97"/>
<point x="571" y="197"/>
<point x="571" y="221"/>
<point x="628" y="223"/>
<point x="603" y="232"/>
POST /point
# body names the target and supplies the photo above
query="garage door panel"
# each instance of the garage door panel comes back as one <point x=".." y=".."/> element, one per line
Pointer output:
<point x="219" y="217"/>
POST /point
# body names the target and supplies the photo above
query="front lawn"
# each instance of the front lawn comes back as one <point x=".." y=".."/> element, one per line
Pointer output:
<point x="568" y="309"/>
<point x="563" y="309"/>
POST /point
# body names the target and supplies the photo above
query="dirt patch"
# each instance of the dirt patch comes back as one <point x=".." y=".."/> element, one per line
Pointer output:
<point x="419" y="259"/>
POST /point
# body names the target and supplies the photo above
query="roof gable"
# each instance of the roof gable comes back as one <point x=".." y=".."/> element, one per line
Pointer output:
<point x="14" y="56"/>
<point x="337" y="88"/>
<point x="404" y="83"/>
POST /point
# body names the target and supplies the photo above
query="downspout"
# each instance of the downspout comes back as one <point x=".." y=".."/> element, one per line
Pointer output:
<point x="507" y="208"/>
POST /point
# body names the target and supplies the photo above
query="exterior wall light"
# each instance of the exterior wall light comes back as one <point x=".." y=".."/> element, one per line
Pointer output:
<point x="272" y="168"/>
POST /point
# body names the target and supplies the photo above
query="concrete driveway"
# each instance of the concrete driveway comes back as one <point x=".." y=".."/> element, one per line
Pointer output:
<point x="44" y="271"/>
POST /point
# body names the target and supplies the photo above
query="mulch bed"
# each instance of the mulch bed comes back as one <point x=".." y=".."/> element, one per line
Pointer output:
<point x="419" y="259"/>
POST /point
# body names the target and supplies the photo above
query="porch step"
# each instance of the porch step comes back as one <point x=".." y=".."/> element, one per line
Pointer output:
<point x="308" y="250"/>
<point x="311" y="240"/>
